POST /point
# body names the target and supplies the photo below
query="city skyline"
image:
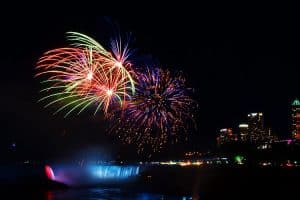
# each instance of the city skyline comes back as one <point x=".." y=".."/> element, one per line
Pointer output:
<point x="253" y="129"/>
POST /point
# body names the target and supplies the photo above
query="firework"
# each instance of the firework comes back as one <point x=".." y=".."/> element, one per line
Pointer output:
<point x="146" y="108"/>
<point x="161" y="109"/>
<point x="85" y="75"/>
<point x="117" y="60"/>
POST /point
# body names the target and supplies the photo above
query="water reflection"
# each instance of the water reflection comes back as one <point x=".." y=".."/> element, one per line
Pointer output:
<point x="107" y="194"/>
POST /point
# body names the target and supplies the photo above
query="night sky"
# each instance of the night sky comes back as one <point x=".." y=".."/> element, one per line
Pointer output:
<point x="235" y="67"/>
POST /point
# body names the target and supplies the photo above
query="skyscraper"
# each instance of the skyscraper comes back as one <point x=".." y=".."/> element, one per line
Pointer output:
<point x="244" y="132"/>
<point x="296" y="119"/>
<point x="226" y="136"/>
<point x="256" y="127"/>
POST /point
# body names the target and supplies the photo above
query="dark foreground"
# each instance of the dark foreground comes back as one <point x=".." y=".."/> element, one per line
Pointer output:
<point x="228" y="183"/>
<point x="171" y="183"/>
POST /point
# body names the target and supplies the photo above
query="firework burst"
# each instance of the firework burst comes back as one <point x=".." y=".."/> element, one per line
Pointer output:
<point x="161" y="109"/>
<point x="117" y="59"/>
<point x="85" y="75"/>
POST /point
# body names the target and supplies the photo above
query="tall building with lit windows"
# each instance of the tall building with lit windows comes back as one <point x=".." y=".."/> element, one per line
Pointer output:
<point x="244" y="132"/>
<point x="256" y="127"/>
<point x="296" y="119"/>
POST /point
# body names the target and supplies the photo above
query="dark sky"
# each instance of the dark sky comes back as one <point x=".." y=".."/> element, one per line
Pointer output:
<point x="236" y="67"/>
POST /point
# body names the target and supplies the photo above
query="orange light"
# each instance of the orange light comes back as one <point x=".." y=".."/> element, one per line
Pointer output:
<point x="297" y="136"/>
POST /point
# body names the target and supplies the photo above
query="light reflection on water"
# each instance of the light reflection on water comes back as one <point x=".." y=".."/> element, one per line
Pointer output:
<point x="107" y="194"/>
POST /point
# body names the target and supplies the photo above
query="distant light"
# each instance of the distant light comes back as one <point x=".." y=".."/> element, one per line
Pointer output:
<point x="265" y="163"/>
<point x="168" y="163"/>
<point x="183" y="164"/>
<point x="197" y="163"/>
<point x="252" y="114"/>
<point x="296" y="102"/>
<point x="289" y="164"/>
<point x="243" y="125"/>
<point x="239" y="159"/>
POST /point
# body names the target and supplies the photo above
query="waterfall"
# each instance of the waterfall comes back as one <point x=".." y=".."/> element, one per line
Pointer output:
<point x="93" y="173"/>
<point x="115" y="171"/>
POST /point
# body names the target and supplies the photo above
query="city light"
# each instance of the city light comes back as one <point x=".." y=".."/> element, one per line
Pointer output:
<point x="239" y="159"/>
<point x="296" y="102"/>
<point x="168" y="163"/>
<point x="243" y="125"/>
<point x="183" y="163"/>
<point x="252" y="114"/>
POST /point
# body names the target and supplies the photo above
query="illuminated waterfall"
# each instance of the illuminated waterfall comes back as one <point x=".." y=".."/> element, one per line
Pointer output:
<point x="115" y="172"/>
<point x="93" y="174"/>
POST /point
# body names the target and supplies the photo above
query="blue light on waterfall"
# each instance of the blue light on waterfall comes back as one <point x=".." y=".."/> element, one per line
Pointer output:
<point x="94" y="173"/>
<point x="115" y="172"/>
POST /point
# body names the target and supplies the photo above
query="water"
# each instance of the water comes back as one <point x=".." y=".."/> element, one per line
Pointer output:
<point x="132" y="182"/>
<point x="107" y="194"/>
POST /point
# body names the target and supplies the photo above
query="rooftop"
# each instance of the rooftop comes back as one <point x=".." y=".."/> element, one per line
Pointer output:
<point x="296" y="102"/>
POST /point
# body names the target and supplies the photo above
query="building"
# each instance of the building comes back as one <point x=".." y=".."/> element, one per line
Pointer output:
<point x="226" y="136"/>
<point x="244" y="132"/>
<point x="269" y="139"/>
<point x="270" y="136"/>
<point x="296" y="119"/>
<point x="256" y="127"/>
